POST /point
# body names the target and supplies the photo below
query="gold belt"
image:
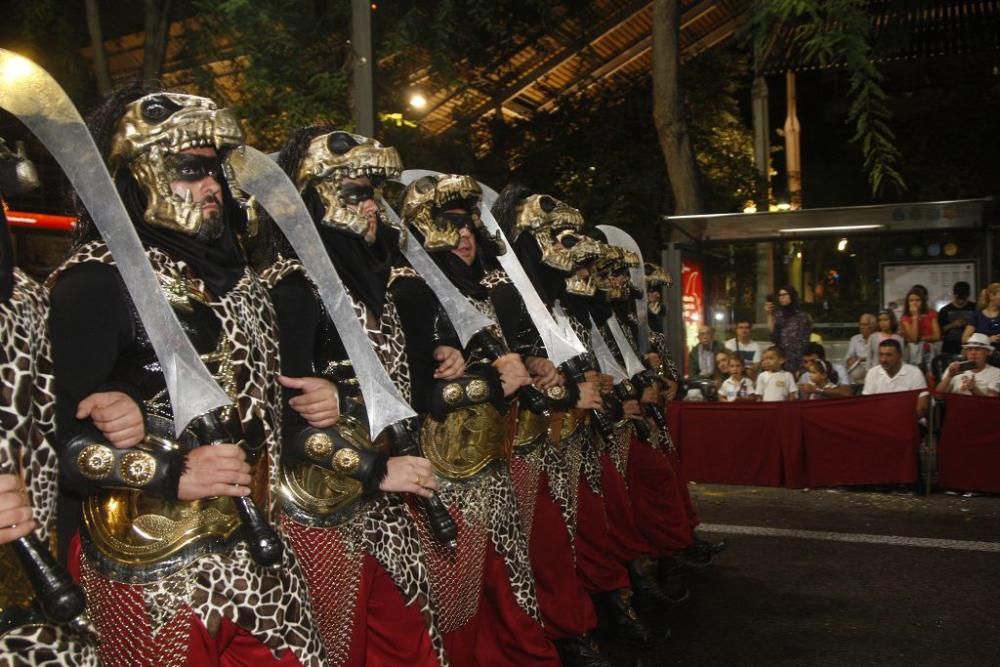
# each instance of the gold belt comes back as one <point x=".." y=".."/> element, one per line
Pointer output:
<point x="466" y="441"/>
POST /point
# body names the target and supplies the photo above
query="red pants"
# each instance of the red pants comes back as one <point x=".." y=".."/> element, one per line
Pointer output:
<point x="627" y="542"/>
<point x="658" y="501"/>
<point x="501" y="634"/>
<point x="682" y="482"/>
<point x="232" y="646"/>
<point x="567" y="610"/>
<point x="596" y="566"/>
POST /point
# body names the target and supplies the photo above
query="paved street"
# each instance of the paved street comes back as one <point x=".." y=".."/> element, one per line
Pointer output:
<point x="840" y="578"/>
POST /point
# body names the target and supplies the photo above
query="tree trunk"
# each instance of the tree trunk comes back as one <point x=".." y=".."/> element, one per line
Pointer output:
<point x="668" y="110"/>
<point x="157" y="26"/>
<point x="101" y="71"/>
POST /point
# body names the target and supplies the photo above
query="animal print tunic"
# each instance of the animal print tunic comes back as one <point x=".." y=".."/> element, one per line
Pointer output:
<point x="149" y="623"/>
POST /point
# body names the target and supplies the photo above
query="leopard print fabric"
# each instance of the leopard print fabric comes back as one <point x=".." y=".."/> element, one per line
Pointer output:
<point x="270" y="603"/>
<point x="27" y="419"/>
<point x="42" y="645"/>
<point x="381" y="527"/>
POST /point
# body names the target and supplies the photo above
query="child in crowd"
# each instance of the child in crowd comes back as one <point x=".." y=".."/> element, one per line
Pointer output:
<point x="823" y="379"/>
<point x="888" y="327"/>
<point x="773" y="383"/>
<point x="737" y="387"/>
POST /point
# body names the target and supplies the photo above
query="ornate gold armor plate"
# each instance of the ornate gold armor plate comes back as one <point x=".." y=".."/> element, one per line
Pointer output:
<point x="531" y="429"/>
<point x="466" y="441"/>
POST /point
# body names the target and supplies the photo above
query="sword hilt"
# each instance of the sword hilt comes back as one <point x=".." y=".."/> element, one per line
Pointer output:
<point x="61" y="599"/>
<point x="261" y="539"/>
<point x="576" y="368"/>
<point x="439" y="519"/>
<point x="529" y="395"/>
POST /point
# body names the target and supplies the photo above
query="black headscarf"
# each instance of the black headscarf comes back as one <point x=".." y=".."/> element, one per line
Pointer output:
<point x="219" y="263"/>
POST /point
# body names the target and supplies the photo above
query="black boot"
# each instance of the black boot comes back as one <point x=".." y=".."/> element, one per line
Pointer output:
<point x="622" y="621"/>
<point x="679" y="563"/>
<point x="581" y="652"/>
<point x="711" y="547"/>
<point x="647" y="592"/>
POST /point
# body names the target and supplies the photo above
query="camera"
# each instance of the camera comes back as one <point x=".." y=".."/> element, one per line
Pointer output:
<point x="966" y="366"/>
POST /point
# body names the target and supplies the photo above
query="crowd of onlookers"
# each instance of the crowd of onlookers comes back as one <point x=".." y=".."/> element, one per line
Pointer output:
<point x="954" y="350"/>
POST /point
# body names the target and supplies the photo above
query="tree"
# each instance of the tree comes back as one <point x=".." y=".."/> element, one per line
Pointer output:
<point x="668" y="110"/>
<point x="156" y="23"/>
<point x="102" y="74"/>
<point x="827" y="32"/>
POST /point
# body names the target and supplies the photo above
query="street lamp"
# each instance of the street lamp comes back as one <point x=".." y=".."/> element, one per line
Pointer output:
<point x="417" y="101"/>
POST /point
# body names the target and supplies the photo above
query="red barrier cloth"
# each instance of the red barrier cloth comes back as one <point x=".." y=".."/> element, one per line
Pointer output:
<point x="737" y="443"/>
<point x="865" y="440"/>
<point x="567" y="610"/>
<point x="796" y="444"/>
<point x="969" y="449"/>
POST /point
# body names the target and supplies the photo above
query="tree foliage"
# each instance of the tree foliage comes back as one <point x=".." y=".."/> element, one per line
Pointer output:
<point x="828" y="32"/>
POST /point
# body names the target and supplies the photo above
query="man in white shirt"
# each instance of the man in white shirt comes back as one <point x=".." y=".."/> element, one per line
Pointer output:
<point x="856" y="360"/>
<point x="749" y="350"/>
<point x="980" y="380"/>
<point x="892" y="375"/>
<point x="840" y="387"/>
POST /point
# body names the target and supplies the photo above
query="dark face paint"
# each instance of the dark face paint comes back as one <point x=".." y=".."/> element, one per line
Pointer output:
<point x="192" y="168"/>
<point x="354" y="193"/>
<point x="457" y="219"/>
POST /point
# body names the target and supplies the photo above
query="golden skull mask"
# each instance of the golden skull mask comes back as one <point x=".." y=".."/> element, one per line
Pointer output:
<point x="149" y="138"/>
<point x="657" y="276"/>
<point x="425" y="199"/>
<point x="335" y="156"/>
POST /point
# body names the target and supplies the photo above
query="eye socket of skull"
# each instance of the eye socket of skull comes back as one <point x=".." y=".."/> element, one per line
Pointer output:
<point x="158" y="108"/>
<point x="568" y="239"/>
<point x="340" y="142"/>
<point x="547" y="203"/>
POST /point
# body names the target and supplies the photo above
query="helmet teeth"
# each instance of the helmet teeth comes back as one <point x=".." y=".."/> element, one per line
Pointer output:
<point x="188" y="197"/>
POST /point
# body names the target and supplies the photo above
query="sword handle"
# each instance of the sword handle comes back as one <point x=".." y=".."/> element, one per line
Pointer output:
<point x="576" y="369"/>
<point x="61" y="598"/>
<point x="656" y="413"/>
<point x="261" y="539"/>
<point x="439" y="519"/>
<point x="529" y="395"/>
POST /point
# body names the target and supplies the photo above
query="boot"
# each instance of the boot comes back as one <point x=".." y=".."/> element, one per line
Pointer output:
<point x="679" y="563"/>
<point x="622" y="621"/>
<point x="648" y="593"/>
<point x="581" y="652"/>
<point x="711" y="547"/>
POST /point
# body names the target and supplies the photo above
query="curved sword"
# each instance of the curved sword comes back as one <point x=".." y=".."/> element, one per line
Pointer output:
<point x="632" y="363"/>
<point x="605" y="359"/>
<point x="28" y="92"/>
<point x="262" y="178"/>
<point x="622" y="239"/>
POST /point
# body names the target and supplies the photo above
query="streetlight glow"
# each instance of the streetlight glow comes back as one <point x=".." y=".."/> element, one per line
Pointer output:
<point x="418" y="101"/>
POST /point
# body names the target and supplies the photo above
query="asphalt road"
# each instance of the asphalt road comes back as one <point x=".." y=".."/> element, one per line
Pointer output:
<point x="838" y="578"/>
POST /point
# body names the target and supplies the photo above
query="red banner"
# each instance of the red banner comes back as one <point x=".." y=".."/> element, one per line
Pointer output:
<point x="797" y="444"/>
<point x="969" y="450"/>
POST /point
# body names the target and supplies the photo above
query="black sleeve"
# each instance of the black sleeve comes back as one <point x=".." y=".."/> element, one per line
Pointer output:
<point x="90" y="322"/>
<point x="420" y="315"/>
<point x="514" y="321"/>
<point x="298" y="321"/>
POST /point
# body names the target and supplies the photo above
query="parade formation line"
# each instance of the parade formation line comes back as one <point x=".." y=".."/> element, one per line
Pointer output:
<point x="862" y="538"/>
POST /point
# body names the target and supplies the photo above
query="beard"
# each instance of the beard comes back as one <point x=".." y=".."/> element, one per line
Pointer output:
<point x="212" y="224"/>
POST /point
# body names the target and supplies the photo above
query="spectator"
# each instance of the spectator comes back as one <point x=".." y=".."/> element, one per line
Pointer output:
<point x="887" y="326"/>
<point x="737" y="387"/>
<point x="919" y="327"/>
<point x="892" y="375"/>
<point x="748" y="350"/>
<point x="774" y="383"/>
<point x="981" y="379"/>
<point x="807" y="385"/>
<point x="823" y="381"/>
<point x="954" y="317"/>
<point x="701" y="359"/>
<point x="721" y="368"/>
<point x="986" y="320"/>
<point x="789" y="326"/>
<point x="856" y="361"/>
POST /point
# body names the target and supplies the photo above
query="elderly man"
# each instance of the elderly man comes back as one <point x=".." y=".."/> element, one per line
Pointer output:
<point x="701" y="358"/>
<point x="892" y="375"/>
<point x="979" y="380"/>
<point x="856" y="360"/>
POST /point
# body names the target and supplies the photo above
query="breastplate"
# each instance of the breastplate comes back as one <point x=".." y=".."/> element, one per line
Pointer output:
<point x="531" y="430"/>
<point x="575" y="420"/>
<point x="317" y="496"/>
<point x="466" y="441"/>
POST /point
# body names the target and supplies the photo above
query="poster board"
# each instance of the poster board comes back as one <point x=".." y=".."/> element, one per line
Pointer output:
<point x="937" y="277"/>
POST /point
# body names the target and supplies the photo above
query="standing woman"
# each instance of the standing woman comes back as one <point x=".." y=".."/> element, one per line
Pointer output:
<point x="789" y="326"/>
<point x="920" y="328"/>
<point x="987" y="319"/>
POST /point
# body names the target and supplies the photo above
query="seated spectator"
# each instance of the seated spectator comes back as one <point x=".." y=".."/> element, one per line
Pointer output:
<point x="981" y="379"/>
<point x="773" y="382"/>
<point x="887" y="327"/>
<point x="701" y="358"/>
<point x="892" y="375"/>
<point x="986" y="320"/>
<point x="816" y="352"/>
<point x="822" y="381"/>
<point x="721" y="368"/>
<point x="919" y="327"/>
<point x="749" y="350"/>
<point x="737" y="387"/>
<point x="954" y="317"/>
<point x="856" y="360"/>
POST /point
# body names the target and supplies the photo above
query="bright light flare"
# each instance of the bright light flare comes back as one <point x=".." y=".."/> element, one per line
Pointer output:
<point x="418" y="101"/>
<point x="842" y="245"/>
<point x="14" y="68"/>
